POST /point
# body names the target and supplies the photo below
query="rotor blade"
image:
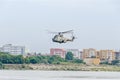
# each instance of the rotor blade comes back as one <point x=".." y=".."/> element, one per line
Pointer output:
<point x="70" y="31"/>
<point x="67" y="31"/>
<point x="52" y="32"/>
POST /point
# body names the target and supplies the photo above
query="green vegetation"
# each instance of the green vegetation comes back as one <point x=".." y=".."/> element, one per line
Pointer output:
<point x="6" y="58"/>
<point x="77" y="61"/>
<point x="1" y="65"/>
<point x="69" y="56"/>
<point x="115" y="62"/>
<point x="18" y="62"/>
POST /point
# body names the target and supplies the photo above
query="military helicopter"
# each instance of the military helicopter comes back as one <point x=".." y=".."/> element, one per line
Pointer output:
<point x="60" y="38"/>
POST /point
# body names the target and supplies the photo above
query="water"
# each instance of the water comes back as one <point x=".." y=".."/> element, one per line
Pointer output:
<point x="57" y="75"/>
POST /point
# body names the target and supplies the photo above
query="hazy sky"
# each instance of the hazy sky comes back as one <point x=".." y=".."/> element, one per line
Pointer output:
<point x="96" y="23"/>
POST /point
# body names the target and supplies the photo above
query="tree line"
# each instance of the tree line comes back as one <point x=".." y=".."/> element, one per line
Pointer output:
<point x="6" y="58"/>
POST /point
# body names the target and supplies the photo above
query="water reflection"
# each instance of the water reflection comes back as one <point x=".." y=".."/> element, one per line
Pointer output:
<point x="57" y="75"/>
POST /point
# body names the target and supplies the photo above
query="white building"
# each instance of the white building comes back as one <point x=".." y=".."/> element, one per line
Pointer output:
<point x="14" y="50"/>
<point x="76" y="53"/>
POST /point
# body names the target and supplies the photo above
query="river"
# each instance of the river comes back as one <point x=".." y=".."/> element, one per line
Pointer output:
<point x="57" y="75"/>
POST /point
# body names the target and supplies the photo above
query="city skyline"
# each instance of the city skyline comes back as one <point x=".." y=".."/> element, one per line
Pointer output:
<point x="95" y="23"/>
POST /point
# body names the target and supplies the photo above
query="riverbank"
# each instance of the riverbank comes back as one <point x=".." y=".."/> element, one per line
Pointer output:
<point x="61" y="67"/>
<point x="57" y="75"/>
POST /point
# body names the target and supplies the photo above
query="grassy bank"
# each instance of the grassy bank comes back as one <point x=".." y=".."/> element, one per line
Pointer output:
<point x="64" y="67"/>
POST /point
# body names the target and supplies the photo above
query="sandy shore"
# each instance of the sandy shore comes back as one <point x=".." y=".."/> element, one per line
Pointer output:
<point x="70" y="67"/>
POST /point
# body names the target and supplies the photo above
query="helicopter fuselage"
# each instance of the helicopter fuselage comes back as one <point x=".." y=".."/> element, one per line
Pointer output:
<point x="61" y="39"/>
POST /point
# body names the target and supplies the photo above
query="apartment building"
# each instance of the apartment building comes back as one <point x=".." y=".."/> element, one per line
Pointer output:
<point x="58" y="51"/>
<point x="117" y="55"/>
<point x="14" y="50"/>
<point x="107" y="55"/>
<point x="89" y="53"/>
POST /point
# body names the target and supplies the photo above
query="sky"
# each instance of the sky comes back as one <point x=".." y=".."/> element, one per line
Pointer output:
<point x="25" y="23"/>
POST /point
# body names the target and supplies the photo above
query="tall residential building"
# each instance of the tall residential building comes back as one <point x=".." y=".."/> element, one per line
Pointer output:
<point x="76" y="53"/>
<point x="89" y="53"/>
<point x="14" y="50"/>
<point x="117" y="55"/>
<point x="107" y="55"/>
<point x="58" y="51"/>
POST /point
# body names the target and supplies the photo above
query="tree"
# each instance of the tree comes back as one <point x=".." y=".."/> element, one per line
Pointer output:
<point x="34" y="60"/>
<point x="69" y="56"/>
<point x="18" y="59"/>
<point x="78" y="61"/>
<point x="27" y="60"/>
<point x="55" y="59"/>
<point x="6" y="58"/>
<point x="114" y="62"/>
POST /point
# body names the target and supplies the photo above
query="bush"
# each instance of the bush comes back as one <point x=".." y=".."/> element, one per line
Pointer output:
<point x="114" y="62"/>
<point x="104" y="62"/>
<point x="77" y="61"/>
<point x="58" y="62"/>
<point x="34" y="60"/>
<point x="1" y="65"/>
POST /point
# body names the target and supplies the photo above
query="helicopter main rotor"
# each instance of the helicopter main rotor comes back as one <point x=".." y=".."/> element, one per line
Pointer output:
<point x="65" y="32"/>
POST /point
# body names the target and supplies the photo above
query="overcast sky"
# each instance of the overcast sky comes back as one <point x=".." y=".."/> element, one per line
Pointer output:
<point x="96" y="23"/>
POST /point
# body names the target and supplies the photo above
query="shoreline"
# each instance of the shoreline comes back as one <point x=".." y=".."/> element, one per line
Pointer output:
<point x="61" y="67"/>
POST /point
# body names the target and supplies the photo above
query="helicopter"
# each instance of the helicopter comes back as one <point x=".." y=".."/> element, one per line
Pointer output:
<point x="60" y="38"/>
